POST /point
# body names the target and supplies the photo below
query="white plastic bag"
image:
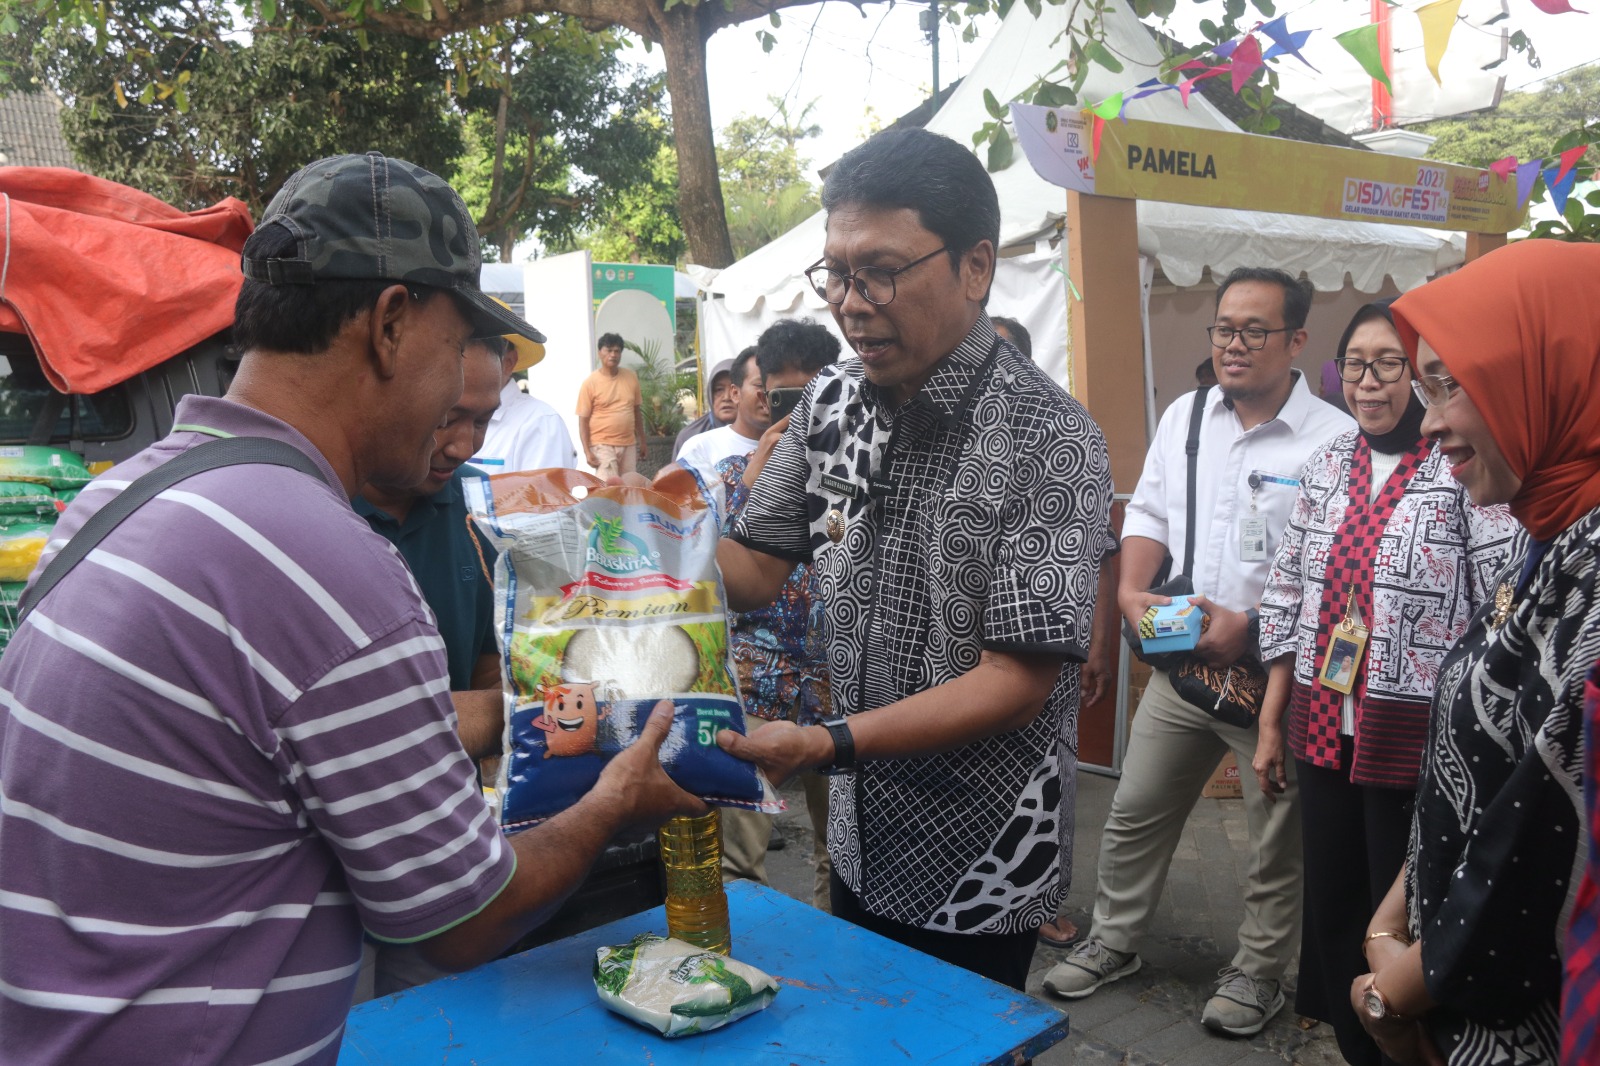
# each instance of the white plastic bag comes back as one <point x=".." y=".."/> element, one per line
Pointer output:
<point x="676" y="988"/>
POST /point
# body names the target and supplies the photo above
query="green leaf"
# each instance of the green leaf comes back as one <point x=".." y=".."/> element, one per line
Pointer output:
<point x="768" y="41"/>
<point x="1265" y="7"/>
<point x="1102" y="55"/>
<point x="1003" y="8"/>
<point x="1034" y="7"/>
<point x="1234" y="9"/>
<point x="269" y="10"/>
<point x="969" y="34"/>
<point x="775" y="19"/>
<point x="992" y="105"/>
<point x="1051" y="95"/>
<point x="180" y="99"/>
<point x="420" y="8"/>
<point x="148" y="96"/>
<point x="1212" y="32"/>
<point x="999" y="150"/>
<point x="1164" y="8"/>
<point x="983" y="133"/>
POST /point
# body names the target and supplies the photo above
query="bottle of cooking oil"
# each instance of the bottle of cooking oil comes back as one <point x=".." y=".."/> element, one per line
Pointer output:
<point x="697" y="907"/>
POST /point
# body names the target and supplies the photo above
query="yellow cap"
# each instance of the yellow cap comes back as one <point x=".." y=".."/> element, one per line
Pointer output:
<point x="529" y="353"/>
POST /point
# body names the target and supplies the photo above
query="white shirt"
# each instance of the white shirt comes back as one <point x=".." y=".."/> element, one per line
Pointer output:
<point x="1229" y="454"/>
<point x="524" y="434"/>
<point x="705" y="451"/>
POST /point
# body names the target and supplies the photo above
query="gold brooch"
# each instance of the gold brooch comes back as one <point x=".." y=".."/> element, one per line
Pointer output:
<point x="835" y="526"/>
<point x="1502" y="605"/>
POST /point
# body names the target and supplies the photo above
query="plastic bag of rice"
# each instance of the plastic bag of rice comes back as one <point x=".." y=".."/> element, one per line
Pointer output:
<point x="55" y="467"/>
<point x="676" y="988"/>
<point x="26" y="498"/>
<point x="608" y="599"/>
<point x="20" y="548"/>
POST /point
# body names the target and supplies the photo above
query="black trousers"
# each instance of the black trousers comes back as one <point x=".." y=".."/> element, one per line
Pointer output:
<point x="1355" y="841"/>
<point x="1002" y="957"/>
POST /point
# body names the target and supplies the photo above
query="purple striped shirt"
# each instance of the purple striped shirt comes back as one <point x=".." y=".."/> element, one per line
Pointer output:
<point x="226" y="746"/>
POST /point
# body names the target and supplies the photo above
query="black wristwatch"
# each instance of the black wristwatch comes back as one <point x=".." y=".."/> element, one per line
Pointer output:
<point x="1252" y="620"/>
<point x="844" y="748"/>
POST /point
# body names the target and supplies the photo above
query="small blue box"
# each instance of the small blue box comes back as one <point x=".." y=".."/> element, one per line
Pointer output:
<point x="1175" y="627"/>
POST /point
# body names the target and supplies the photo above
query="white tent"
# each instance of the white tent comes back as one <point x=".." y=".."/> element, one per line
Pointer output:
<point x="1183" y="241"/>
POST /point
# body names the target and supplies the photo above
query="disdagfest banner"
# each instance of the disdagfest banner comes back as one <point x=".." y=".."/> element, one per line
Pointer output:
<point x="1213" y="168"/>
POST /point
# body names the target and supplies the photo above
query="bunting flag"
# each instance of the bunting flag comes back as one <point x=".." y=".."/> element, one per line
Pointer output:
<point x="1569" y="159"/>
<point x="1438" y="19"/>
<point x="1362" y="43"/>
<point x="1283" y="41"/>
<point x="1503" y="168"/>
<point x="1225" y="49"/>
<point x="1527" y="174"/>
<point x="1247" y="59"/>
<point x="1556" y="7"/>
<point x="1560" y="188"/>
<point x="1109" y="108"/>
<point x="1186" y="87"/>
<point x="1098" y="125"/>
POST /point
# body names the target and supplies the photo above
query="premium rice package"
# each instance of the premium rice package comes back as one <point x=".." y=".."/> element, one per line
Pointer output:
<point x="27" y="498"/>
<point x="55" y="467"/>
<point x="676" y="988"/>
<point x="608" y="599"/>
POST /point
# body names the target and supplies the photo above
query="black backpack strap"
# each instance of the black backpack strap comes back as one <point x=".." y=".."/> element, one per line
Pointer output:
<point x="1191" y="449"/>
<point x="229" y="451"/>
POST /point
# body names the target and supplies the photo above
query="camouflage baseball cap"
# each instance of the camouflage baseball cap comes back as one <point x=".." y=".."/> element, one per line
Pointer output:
<point x="369" y="217"/>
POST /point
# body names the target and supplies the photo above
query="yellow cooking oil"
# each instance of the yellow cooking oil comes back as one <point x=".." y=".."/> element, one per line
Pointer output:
<point x="697" y="906"/>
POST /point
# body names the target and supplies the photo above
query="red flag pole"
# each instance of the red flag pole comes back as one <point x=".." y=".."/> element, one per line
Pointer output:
<point x="1382" y="102"/>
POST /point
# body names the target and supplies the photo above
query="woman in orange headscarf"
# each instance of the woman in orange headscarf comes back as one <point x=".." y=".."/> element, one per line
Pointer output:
<point x="1464" y="950"/>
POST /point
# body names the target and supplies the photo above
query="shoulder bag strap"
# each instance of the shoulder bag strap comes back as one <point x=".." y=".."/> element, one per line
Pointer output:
<point x="1191" y="449"/>
<point x="230" y="451"/>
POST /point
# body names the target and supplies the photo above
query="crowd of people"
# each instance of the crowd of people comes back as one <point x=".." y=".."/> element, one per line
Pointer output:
<point x="286" y="676"/>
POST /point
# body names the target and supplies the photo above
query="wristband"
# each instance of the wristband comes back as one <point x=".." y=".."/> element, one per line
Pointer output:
<point x="844" y="748"/>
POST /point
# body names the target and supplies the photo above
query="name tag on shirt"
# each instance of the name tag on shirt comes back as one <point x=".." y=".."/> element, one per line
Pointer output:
<point x="841" y="486"/>
<point x="1252" y="539"/>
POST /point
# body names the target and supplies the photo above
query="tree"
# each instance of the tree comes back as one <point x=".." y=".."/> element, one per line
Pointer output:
<point x="240" y="116"/>
<point x="765" y="191"/>
<point x="640" y="224"/>
<point x="1525" y="124"/>
<point x="560" y="139"/>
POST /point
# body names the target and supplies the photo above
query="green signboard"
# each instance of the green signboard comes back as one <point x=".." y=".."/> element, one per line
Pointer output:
<point x="658" y="281"/>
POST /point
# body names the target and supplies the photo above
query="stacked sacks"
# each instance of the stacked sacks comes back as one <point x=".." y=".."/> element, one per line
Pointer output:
<point x="36" y="484"/>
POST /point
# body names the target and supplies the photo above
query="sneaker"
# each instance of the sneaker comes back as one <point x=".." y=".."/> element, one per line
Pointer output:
<point x="1243" y="1005"/>
<point x="1088" y="966"/>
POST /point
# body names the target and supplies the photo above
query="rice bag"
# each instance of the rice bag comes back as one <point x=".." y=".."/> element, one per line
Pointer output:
<point x="55" y="467"/>
<point x="20" y="548"/>
<point x="26" y="498"/>
<point x="607" y="601"/>
<point x="676" y="988"/>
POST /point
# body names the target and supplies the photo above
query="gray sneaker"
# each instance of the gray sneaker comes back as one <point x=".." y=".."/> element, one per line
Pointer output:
<point x="1243" y="1004"/>
<point x="1089" y="965"/>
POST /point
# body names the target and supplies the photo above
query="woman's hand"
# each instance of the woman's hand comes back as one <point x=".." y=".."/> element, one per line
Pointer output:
<point x="1405" y="1040"/>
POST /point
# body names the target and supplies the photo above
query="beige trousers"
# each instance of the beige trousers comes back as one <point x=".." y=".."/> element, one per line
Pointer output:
<point x="616" y="459"/>
<point x="1173" y="749"/>
<point x="745" y="835"/>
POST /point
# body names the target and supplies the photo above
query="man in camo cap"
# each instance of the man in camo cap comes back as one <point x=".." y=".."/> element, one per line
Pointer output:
<point x="227" y="738"/>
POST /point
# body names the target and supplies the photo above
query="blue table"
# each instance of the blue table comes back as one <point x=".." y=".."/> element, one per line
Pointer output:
<point x="846" y="996"/>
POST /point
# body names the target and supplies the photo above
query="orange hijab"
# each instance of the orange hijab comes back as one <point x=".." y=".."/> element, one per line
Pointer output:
<point x="1519" y="329"/>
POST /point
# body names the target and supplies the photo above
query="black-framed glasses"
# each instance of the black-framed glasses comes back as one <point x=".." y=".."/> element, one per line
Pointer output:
<point x="874" y="284"/>
<point x="1387" y="370"/>
<point x="1434" y="390"/>
<point x="1254" y="337"/>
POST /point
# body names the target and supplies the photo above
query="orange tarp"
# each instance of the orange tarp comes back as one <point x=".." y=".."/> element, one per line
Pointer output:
<point x="107" y="281"/>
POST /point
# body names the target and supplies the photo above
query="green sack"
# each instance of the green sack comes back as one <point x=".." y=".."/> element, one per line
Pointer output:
<point x="56" y="467"/>
<point x="676" y="988"/>
<point x="26" y="498"/>
<point x="11" y="592"/>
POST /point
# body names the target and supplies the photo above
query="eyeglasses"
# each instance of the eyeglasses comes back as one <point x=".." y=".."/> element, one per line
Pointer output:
<point x="873" y="283"/>
<point x="1254" y="337"/>
<point x="1435" y="390"/>
<point x="1387" y="370"/>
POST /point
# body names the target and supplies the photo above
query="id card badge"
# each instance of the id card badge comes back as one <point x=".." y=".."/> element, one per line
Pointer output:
<point x="1252" y="539"/>
<point x="1345" y="649"/>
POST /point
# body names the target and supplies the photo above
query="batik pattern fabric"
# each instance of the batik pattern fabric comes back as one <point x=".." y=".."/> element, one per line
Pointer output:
<point x="779" y="652"/>
<point x="1431" y="566"/>
<point x="1495" y="845"/>
<point x="969" y="518"/>
<point x="1580" y="994"/>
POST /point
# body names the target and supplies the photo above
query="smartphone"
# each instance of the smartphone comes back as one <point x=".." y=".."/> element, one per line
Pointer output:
<point x="782" y="401"/>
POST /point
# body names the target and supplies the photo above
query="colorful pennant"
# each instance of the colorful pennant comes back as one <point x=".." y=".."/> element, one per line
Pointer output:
<point x="1556" y="7"/>
<point x="1503" y="168"/>
<point x="1247" y="59"/>
<point x="1283" y="41"/>
<point x="1560" y="188"/>
<point x="1569" y="159"/>
<point x="1438" y="19"/>
<point x="1362" y="43"/>
<point x="1527" y="174"/>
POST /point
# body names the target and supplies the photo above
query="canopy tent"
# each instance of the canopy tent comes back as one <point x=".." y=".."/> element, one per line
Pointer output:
<point x="1183" y="241"/>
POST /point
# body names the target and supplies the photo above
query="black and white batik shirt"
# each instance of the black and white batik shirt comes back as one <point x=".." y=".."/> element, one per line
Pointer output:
<point x="971" y="517"/>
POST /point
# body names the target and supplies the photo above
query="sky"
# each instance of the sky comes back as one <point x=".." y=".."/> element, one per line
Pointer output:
<point x="875" y="63"/>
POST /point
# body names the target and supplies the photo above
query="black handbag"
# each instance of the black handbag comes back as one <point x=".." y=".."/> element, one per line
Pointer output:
<point x="1233" y="693"/>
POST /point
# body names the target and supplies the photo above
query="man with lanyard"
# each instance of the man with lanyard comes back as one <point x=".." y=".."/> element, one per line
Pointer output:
<point x="227" y="744"/>
<point x="952" y="499"/>
<point x="429" y="524"/>
<point x="1257" y="428"/>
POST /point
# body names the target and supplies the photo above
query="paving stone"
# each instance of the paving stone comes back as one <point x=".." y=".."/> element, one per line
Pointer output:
<point x="1135" y="1025"/>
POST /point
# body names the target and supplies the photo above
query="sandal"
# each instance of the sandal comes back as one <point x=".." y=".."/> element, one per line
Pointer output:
<point x="1059" y="933"/>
